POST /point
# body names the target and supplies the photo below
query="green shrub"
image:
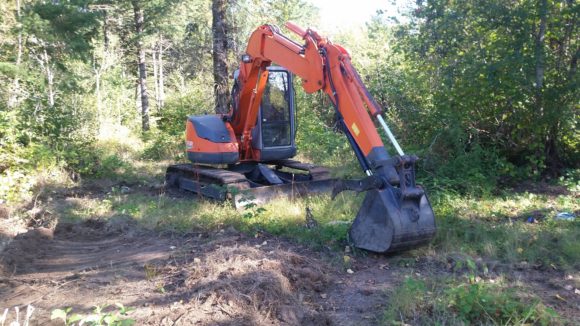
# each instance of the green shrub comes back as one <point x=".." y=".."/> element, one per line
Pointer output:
<point x="80" y="157"/>
<point x="97" y="318"/>
<point x="171" y="120"/>
<point x="452" y="165"/>
<point x="15" y="185"/>
<point x="160" y="146"/>
<point x="112" y="166"/>
<point x="571" y="180"/>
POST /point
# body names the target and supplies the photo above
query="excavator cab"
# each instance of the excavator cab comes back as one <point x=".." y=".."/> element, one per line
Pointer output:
<point x="274" y="132"/>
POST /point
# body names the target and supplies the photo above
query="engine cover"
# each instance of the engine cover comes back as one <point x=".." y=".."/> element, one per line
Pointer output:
<point x="210" y="140"/>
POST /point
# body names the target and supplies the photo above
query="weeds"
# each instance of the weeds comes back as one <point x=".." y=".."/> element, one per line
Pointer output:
<point x="497" y="228"/>
<point x="17" y="320"/>
<point x="98" y="318"/>
<point x="437" y="301"/>
<point x="491" y="227"/>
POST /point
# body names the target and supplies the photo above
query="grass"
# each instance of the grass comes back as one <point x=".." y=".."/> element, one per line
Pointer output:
<point x="484" y="230"/>
<point x="492" y="228"/>
<point x="459" y="301"/>
<point x="283" y="217"/>
<point x="497" y="228"/>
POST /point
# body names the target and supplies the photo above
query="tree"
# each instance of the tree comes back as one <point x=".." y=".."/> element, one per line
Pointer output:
<point x="13" y="100"/>
<point x="140" y="51"/>
<point x="246" y="15"/>
<point x="221" y="33"/>
<point x="500" y="77"/>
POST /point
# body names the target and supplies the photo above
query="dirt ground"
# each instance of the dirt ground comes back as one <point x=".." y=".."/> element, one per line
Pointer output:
<point x="219" y="278"/>
<point x="223" y="278"/>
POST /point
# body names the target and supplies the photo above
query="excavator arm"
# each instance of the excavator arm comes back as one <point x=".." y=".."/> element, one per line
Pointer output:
<point x="324" y="66"/>
<point x="396" y="214"/>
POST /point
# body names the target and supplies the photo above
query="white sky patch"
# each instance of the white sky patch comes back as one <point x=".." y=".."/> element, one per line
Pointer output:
<point x="347" y="15"/>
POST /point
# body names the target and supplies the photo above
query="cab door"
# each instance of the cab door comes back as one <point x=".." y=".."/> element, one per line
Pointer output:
<point x="276" y="118"/>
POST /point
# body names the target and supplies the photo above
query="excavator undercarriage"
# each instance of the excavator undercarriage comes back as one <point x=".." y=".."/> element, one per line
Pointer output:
<point x="247" y="183"/>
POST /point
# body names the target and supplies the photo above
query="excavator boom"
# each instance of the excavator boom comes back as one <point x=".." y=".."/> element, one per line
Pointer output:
<point x="395" y="214"/>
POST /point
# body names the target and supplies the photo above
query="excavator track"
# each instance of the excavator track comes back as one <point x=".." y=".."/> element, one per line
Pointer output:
<point x="245" y="184"/>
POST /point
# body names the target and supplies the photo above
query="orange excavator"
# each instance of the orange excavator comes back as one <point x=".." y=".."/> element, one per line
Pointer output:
<point x="246" y="154"/>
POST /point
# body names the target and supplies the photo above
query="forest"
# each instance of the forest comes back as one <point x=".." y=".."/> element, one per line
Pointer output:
<point x="94" y="95"/>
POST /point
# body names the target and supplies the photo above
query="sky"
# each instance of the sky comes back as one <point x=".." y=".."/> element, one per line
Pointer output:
<point x="347" y="14"/>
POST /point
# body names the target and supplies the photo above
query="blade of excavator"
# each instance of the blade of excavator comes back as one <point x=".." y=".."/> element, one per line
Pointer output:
<point x="262" y="195"/>
<point x="388" y="222"/>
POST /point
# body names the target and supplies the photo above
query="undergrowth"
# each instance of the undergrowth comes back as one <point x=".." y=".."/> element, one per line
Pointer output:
<point x="511" y="227"/>
<point x="493" y="228"/>
<point x="101" y="315"/>
<point x="283" y="217"/>
<point x="456" y="301"/>
<point x="487" y="226"/>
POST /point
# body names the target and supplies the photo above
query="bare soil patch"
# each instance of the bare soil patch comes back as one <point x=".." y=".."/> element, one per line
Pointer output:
<point x="541" y="188"/>
<point x="4" y="211"/>
<point x="222" y="278"/>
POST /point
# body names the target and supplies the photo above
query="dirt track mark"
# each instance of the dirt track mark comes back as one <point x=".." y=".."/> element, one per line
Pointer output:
<point x="43" y="265"/>
<point x="221" y="278"/>
<point x="71" y="248"/>
<point x="224" y="278"/>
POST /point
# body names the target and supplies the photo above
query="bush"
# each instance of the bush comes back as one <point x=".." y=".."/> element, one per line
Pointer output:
<point x="112" y="166"/>
<point x="80" y="157"/>
<point x="15" y="185"/>
<point x="475" y="171"/>
<point x="171" y="119"/>
<point x="160" y="146"/>
<point x="90" y="159"/>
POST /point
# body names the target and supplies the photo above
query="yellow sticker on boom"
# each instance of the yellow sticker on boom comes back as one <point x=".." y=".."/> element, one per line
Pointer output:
<point x="355" y="129"/>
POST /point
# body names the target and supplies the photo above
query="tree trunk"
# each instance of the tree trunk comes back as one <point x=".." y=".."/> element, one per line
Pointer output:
<point x="13" y="99"/>
<point x="105" y="30"/>
<point x="220" y="55"/>
<point x="141" y="63"/>
<point x="49" y="78"/>
<point x="543" y="10"/>
<point x="136" y="95"/>
<point x="550" y="154"/>
<point x="155" y="76"/>
<point x="160" y="71"/>
<point x="97" y="72"/>
<point x="574" y="64"/>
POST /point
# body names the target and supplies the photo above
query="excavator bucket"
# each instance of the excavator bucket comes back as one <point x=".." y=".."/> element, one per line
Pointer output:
<point x="392" y="217"/>
<point x="388" y="222"/>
